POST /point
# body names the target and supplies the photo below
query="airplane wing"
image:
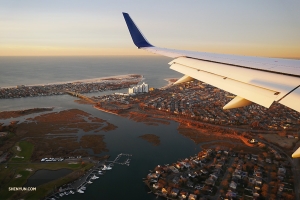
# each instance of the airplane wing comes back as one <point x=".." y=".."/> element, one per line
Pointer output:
<point x="251" y="79"/>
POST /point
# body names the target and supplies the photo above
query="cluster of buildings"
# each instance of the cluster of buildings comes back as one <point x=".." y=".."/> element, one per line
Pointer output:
<point x="59" y="89"/>
<point x="139" y="88"/>
<point x="204" y="103"/>
<point x="221" y="174"/>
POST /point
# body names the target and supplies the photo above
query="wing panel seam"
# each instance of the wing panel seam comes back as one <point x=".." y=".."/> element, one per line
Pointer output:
<point x="227" y="78"/>
<point x="244" y="67"/>
<point x="288" y="93"/>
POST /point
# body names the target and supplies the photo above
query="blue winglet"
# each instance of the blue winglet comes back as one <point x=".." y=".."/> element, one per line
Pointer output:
<point x="137" y="37"/>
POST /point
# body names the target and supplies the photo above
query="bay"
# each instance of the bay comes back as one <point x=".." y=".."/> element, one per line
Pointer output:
<point x="122" y="182"/>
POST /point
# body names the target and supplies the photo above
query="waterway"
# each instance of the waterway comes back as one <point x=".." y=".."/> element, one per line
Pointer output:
<point x="122" y="182"/>
<point x="44" y="176"/>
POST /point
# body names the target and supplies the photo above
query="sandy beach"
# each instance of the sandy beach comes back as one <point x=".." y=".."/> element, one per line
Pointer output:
<point x="91" y="80"/>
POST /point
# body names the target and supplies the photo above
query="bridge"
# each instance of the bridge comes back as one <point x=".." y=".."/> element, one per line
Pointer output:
<point x="81" y="96"/>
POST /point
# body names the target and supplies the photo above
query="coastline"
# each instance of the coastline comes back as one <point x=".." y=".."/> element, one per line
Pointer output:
<point x="170" y="81"/>
<point x="91" y="80"/>
<point x="105" y="110"/>
<point x="154" y="115"/>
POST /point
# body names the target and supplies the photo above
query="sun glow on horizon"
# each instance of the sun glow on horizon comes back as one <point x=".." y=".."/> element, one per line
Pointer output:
<point x="15" y="50"/>
<point x="96" y="28"/>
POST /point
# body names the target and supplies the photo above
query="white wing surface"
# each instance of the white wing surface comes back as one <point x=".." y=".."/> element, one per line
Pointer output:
<point x="251" y="79"/>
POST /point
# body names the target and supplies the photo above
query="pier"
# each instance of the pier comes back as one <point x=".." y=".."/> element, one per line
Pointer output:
<point x="126" y="162"/>
<point x="83" y="181"/>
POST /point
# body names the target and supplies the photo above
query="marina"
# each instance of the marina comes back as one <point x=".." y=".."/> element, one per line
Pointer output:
<point x="92" y="175"/>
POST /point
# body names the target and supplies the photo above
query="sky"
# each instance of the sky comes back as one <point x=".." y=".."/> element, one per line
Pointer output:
<point x="268" y="28"/>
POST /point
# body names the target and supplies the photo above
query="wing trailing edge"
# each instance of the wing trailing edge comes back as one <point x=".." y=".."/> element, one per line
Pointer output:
<point x="251" y="79"/>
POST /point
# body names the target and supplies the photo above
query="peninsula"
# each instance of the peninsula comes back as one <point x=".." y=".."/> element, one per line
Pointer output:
<point x="79" y="86"/>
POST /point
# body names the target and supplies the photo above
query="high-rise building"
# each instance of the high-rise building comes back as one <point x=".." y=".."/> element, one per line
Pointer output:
<point x="139" y="88"/>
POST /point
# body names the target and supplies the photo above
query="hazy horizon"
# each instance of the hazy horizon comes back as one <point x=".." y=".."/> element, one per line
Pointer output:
<point x="97" y="28"/>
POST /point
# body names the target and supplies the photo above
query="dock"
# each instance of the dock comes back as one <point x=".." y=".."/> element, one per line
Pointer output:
<point x="115" y="161"/>
<point x="83" y="181"/>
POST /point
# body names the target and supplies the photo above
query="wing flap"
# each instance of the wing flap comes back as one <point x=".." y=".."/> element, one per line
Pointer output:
<point x="280" y="83"/>
<point x="252" y="93"/>
<point x="292" y="99"/>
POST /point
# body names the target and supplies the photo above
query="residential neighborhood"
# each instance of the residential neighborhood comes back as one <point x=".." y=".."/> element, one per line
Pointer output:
<point x="224" y="174"/>
<point x="202" y="102"/>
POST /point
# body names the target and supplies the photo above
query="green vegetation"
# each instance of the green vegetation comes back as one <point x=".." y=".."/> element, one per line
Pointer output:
<point x="26" y="151"/>
<point x="8" y="178"/>
<point x="48" y="188"/>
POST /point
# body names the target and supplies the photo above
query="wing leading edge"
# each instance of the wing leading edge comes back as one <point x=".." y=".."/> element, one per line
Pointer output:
<point x="252" y="79"/>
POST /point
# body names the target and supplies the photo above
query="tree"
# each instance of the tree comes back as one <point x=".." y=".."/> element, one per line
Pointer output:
<point x="230" y="170"/>
<point x="197" y="192"/>
<point x="224" y="184"/>
<point x="273" y="175"/>
<point x="264" y="190"/>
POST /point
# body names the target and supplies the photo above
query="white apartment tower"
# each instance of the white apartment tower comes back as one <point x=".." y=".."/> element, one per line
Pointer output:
<point x="139" y="88"/>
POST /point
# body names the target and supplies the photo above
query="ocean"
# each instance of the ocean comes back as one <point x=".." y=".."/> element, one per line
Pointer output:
<point x="122" y="182"/>
<point x="43" y="70"/>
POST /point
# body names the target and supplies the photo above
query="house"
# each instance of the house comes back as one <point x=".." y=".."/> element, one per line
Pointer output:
<point x="233" y="185"/>
<point x="153" y="175"/>
<point x="210" y="181"/>
<point x="164" y="191"/>
<point x="268" y="160"/>
<point x="173" y="169"/>
<point x="183" y="195"/>
<point x="174" y="192"/>
<point x="281" y="171"/>
<point x="230" y="194"/>
<point x="236" y="175"/>
<point x="155" y="186"/>
<point x="190" y="184"/>
<point x="186" y="164"/>
<point x="192" y="197"/>
<point x="176" y="180"/>
<point x="213" y="176"/>
<point x="258" y="180"/>
<point x="179" y="166"/>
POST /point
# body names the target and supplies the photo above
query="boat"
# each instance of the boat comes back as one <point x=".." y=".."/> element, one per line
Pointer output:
<point x="100" y="172"/>
<point x="89" y="182"/>
<point x="106" y="167"/>
<point x="61" y="194"/>
<point x="80" y="191"/>
<point x="71" y="192"/>
<point x="66" y="193"/>
<point x="82" y="188"/>
<point x="94" y="177"/>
